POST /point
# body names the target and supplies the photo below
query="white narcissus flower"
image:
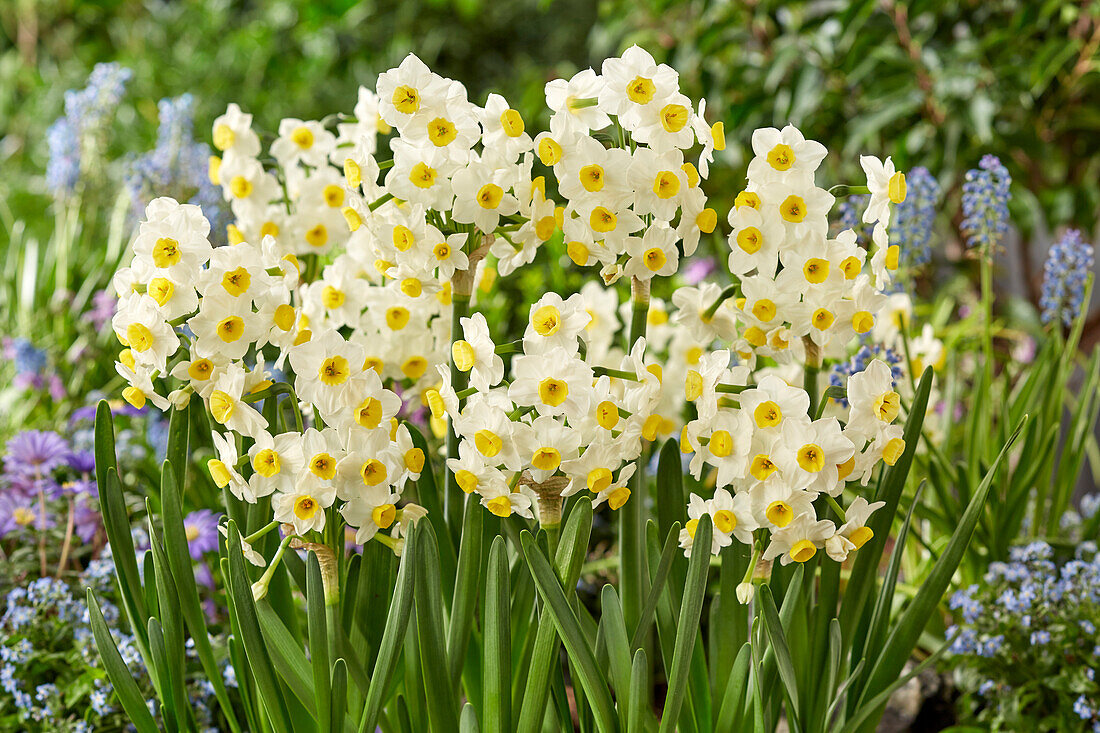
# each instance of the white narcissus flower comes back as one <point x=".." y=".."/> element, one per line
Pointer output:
<point x="503" y="135"/>
<point x="694" y="312"/>
<point x="887" y="187"/>
<point x="722" y="442"/>
<point x="633" y="82"/>
<point x="874" y="403"/>
<point x="813" y="453"/>
<point x="755" y="241"/>
<point x="773" y="401"/>
<point x="576" y="103"/>
<point x="554" y="383"/>
<point x="800" y="540"/>
<point x="555" y="323"/>
<point x="249" y="553"/>
<point x="372" y="510"/>
<point x="732" y="515"/>
<point x="276" y="461"/>
<point x="476" y="353"/>
<point x="854" y="533"/>
<point x="654" y="253"/>
<point x="304" y="506"/>
<point x="546" y="445"/>
<point x="227" y="406"/>
<point x="233" y="135"/>
<point x="139" y="326"/>
<point x="223" y="469"/>
<point x="617" y="493"/>
<point x="503" y="502"/>
<point x="783" y="155"/>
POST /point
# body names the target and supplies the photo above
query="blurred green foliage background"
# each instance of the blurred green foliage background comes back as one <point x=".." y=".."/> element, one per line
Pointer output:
<point x="931" y="82"/>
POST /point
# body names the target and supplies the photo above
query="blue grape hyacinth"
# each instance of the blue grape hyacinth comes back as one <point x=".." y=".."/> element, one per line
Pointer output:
<point x="985" y="203"/>
<point x="1065" y="273"/>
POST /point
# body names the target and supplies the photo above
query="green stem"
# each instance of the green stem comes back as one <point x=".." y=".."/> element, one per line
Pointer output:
<point x="809" y="376"/>
<point x="987" y="314"/>
<point x="725" y="295"/>
<point x="836" y="507"/>
<point x="460" y="307"/>
<point x="631" y="534"/>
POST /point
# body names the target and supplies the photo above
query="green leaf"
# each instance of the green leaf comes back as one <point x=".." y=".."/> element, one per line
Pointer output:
<point x="899" y="644"/>
<point x="169" y="618"/>
<point x="671" y="504"/>
<point x="116" y="523"/>
<point x="569" y="629"/>
<point x="466" y="586"/>
<point x="160" y="670"/>
<point x="639" y="715"/>
<point x="572" y="547"/>
<point x="397" y="621"/>
<point x="688" y="624"/>
<point x="613" y="633"/>
<point x="442" y="705"/>
<point x="497" y="669"/>
<point x="339" y="704"/>
<point x="878" y="702"/>
<point x="657" y="585"/>
<point x="179" y="561"/>
<point x="121" y="679"/>
<point x="240" y="592"/>
<point x="468" y="722"/>
<point x="729" y="713"/>
<point x="318" y="641"/>
<point x="778" y="641"/>
<point x="862" y="578"/>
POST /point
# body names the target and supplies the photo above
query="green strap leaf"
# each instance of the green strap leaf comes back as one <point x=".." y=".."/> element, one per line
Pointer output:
<point x="687" y="631"/>
<point x="572" y="547"/>
<point x="240" y="592"/>
<point x="125" y="686"/>
<point x="318" y="642"/>
<point x="466" y="587"/>
<point x="339" y="704"/>
<point x="733" y="698"/>
<point x="441" y="702"/>
<point x="569" y="629"/>
<point x="613" y="632"/>
<point x="397" y="621"/>
<point x="903" y="637"/>
<point x="639" y="715"/>
<point x="778" y="641"/>
<point x="657" y="585"/>
<point x="497" y="669"/>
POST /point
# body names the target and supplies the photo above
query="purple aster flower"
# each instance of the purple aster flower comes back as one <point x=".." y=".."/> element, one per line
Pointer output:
<point x="699" y="269"/>
<point x="35" y="452"/>
<point x="201" y="528"/>
<point x="86" y="520"/>
<point x="82" y="461"/>
<point x="104" y="303"/>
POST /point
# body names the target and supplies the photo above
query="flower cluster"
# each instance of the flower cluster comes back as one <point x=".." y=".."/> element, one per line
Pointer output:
<point x="348" y="283"/>
<point x="32" y="372"/>
<point x="42" y="476"/>
<point x="50" y="673"/>
<point x="1065" y="274"/>
<point x="985" y="203"/>
<point x="802" y="292"/>
<point x="74" y="139"/>
<point x="177" y="166"/>
<point x="1026" y="647"/>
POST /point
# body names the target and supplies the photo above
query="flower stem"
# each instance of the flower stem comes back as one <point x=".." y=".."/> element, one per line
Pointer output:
<point x="631" y="537"/>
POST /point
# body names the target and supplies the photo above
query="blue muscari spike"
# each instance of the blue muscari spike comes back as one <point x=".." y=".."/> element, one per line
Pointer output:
<point x="1067" y="268"/>
<point x="985" y="203"/>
